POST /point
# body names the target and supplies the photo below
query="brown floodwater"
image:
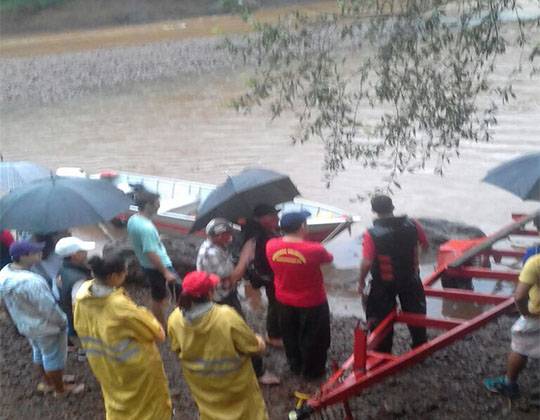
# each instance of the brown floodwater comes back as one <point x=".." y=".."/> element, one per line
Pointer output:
<point x="183" y="128"/>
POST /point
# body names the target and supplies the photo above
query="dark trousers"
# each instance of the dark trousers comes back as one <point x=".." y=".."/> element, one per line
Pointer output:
<point x="306" y="338"/>
<point x="273" y="325"/>
<point x="382" y="300"/>
<point x="232" y="300"/>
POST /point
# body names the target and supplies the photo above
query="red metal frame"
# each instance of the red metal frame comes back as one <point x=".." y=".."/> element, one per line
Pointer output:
<point x="366" y="367"/>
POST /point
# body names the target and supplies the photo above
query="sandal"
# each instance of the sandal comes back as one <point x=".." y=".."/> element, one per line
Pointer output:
<point x="44" y="388"/>
<point x="68" y="378"/>
<point x="70" y="389"/>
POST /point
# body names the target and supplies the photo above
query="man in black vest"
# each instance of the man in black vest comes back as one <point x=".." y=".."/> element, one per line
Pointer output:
<point x="390" y="252"/>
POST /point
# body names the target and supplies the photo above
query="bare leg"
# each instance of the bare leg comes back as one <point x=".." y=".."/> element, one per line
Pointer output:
<point x="516" y="363"/>
<point x="158" y="309"/>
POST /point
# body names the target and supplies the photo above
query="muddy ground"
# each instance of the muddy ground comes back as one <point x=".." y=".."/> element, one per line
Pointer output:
<point x="446" y="385"/>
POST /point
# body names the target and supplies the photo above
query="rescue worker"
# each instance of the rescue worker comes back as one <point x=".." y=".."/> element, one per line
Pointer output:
<point x="214" y="345"/>
<point x="120" y="339"/>
<point x="390" y="253"/>
<point x="263" y="227"/>
<point x="300" y="292"/>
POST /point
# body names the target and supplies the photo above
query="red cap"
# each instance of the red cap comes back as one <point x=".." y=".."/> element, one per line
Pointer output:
<point x="199" y="283"/>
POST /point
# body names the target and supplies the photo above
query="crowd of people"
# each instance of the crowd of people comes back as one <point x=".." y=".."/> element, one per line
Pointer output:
<point x="60" y="299"/>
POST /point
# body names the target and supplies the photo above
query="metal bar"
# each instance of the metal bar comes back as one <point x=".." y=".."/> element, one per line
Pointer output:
<point x="355" y="383"/>
<point x="419" y="320"/>
<point x="505" y="253"/>
<point x="384" y="356"/>
<point x="360" y="348"/>
<point x="491" y="239"/>
<point x="378" y="334"/>
<point x="482" y="273"/>
<point x="434" y="276"/>
<point x="525" y="232"/>
<point x="466" y="295"/>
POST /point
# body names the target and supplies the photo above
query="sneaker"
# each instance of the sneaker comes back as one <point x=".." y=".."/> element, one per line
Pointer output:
<point x="499" y="386"/>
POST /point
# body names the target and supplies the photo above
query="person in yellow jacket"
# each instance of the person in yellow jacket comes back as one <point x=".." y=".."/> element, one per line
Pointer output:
<point x="120" y="342"/>
<point x="214" y="345"/>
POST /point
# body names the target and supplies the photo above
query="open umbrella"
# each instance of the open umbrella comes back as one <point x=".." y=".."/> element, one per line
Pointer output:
<point x="520" y="176"/>
<point x="59" y="203"/>
<point x="14" y="174"/>
<point x="239" y="195"/>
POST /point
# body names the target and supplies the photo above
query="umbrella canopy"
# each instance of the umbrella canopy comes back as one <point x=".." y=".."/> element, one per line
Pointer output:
<point x="520" y="176"/>
<point x="239" y="195"/>
<point x="59" y="203"/>
<point x="14" y="174"/>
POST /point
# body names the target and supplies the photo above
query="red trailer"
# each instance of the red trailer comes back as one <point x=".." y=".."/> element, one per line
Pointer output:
<point x="459" y="260"/>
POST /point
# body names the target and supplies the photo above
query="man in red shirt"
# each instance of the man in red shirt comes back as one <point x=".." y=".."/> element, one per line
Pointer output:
<point x="390" y="252"/>
<point x="304" y="312"/>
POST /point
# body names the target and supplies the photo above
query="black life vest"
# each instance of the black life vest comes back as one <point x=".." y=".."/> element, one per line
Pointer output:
<point x="396" y="241"/>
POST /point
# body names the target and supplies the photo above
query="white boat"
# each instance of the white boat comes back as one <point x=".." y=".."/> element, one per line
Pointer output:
<point x="180" y="200"/>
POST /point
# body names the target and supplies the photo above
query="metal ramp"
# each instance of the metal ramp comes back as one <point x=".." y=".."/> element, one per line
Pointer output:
<point x="458" y="260"/>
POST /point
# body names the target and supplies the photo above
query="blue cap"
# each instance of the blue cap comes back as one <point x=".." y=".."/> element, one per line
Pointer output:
<point x="21" y="248"/>
<point x="291" y="222"/>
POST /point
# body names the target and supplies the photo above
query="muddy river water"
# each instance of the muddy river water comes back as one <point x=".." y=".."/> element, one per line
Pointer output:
<point x="181" y="127"/>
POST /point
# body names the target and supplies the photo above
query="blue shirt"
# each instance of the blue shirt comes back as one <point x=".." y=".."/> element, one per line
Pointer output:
<point x="529" y="252"/>
<point x="145" y="238"/>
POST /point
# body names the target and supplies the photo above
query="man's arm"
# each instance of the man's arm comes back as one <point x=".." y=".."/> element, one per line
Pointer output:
<point x="158" y="265"/>
<point x="521" y="297"/>
<point x="365" y="266"/>
<point x="246" y="256"/>
<point x="368" y="255"/>
<point x="423" y="243"/>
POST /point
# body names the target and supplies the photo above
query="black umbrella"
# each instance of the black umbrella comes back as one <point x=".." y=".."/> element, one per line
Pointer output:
<point x="14" y="174"/>
<point x="520" y="176"/>
<point x="59" y="203"/>
<point x="239" y="195"/>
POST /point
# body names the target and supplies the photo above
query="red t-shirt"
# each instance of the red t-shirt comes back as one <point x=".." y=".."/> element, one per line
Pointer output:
<point x="368" y="246"/>
<point x="297" y="273"/>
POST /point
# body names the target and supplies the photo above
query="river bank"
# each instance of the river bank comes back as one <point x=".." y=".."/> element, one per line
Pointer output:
<point x="445" y="386"/>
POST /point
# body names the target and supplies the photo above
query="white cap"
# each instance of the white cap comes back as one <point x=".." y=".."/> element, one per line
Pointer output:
<point x="70" y="245"/>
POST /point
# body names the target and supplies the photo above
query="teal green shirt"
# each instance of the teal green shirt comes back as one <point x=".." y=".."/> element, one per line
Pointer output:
<point x="144" y="238"/>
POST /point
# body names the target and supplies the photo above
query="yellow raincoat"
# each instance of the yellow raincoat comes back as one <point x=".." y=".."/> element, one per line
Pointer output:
<point x="215" y="355"/>
<point x="119" y="339"/>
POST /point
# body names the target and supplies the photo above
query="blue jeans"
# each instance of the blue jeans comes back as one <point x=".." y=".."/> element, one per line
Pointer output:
<point x="50" y="351"/>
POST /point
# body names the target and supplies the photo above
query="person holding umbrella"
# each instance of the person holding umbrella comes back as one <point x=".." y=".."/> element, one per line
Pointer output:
<point x="151" y="252"/>
<point x="37" y="316"/>
<point x="214" y="345"/>
<point x="264" y="227"/>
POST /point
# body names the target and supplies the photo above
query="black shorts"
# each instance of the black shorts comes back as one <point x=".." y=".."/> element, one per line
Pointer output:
<point x="158" y="287"/>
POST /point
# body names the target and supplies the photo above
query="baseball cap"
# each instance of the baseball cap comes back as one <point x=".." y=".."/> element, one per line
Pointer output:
<point x="199" y="283"/>
<point x="218" y="226"/>
<point x="382" y="204"/>
<point x="291" y="222"/>
<point x="70" y="245"/>
<point x="264" y="209"/>
<point x="20" y="248"/>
